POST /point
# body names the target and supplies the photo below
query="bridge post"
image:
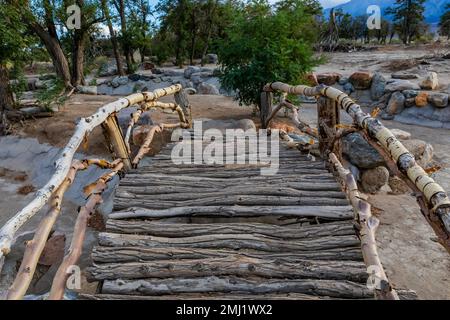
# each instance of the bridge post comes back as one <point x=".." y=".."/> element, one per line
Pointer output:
<point x="266" y="108"/>
<point x="328" y="118"/>
<point x="115" y="139"/>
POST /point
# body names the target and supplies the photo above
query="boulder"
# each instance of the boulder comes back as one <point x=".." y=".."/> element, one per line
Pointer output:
<point x="431" y="82"/>
<point x="212" y="58"/>
<point x="422" y="151"/>
<point x="360" y="153"/>
<point x="348" y="88"/>
<point x="87" y="89"/>
<point x="119" y="81"/>
<point x="400" y="134"/>
<point x="189" y="71"/>
<point x="329" y="78"/>
<point x="421" y="100"/>
<point x="107" y="70"/>
<point x="443" y="178"/>
<point x="410" y="93"/>
<point x="398" y="186"/>
<point x="361" y="80"/>
<point x="401" y="85"/>
<point x="206" y="88"/>
<point x="439" y="100"/>
<point x="147" y="66"/>
<point x="396" y="104"/>
<point x="372" y="180"/>
<point x="199" y="77"/>
<point x="411" y="102"/>
<point x="387" y="116"/>
<point x="173" y="73"/>
<point x="404" y="76"/>
<point x="378" y="86"/>
<point x="223" y="125"/>
<point x="311" y="79"/>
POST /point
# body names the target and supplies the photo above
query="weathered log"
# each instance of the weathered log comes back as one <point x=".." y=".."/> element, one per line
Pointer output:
<point x="209" y="297"/>
<point x="368" y="226"/>
<point x="185" y="193"/>
<point x="180" y="230"/>
<point x="331" y="288"/>
<point x="231" y="266"/>
<point x="329" y="118"/>
<point x="225" y="241"/>
<point x="141" y="254"/>
<point x="227" y="200"/>
<point x="75" y="250"/>
<point x="333" y="213"/>
<point x="162" y="187"/>
<point x="63" y="164"/>
<point x="116" y="139"/>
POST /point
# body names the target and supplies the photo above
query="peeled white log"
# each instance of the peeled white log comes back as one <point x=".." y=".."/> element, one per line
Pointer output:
<point x="62" y="165"/>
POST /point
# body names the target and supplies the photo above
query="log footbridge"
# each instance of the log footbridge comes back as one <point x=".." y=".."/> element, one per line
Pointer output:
<point x="220" y="231"/>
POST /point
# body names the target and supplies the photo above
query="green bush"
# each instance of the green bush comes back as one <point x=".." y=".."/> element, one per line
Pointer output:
<point x="267" y="44"/>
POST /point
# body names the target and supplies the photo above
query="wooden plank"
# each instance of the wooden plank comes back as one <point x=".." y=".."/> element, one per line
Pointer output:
<point x="141" y="254"/>
<point x="326" y="212"/>
<point x="180" y="230"/>
<point x="232" y="241"/>
<point x="331" y="288"/>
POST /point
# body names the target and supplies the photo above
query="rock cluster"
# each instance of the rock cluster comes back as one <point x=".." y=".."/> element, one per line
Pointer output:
<point x="203" y="80"/>
<point x="369" y="166"/>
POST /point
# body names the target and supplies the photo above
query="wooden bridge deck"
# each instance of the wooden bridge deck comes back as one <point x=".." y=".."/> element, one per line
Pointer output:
<point x="226" y="232"/>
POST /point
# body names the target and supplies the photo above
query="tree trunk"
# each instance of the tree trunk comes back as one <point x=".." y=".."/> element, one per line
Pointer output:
<point x="78" y="58"/>
<point x="6" y="97"/>
<point x="114" y="43"/>
<point x="55" y="51"/>
<point x="126" y="48"/>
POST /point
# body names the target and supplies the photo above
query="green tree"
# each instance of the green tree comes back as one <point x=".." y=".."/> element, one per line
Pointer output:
<point x="444" y="23"/>
<point x="266" y="44"/>
<point x="409" y="17"/>
<point x="14" y="44"/>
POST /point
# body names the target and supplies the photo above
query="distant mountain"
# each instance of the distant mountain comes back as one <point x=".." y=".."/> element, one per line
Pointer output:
<point x="433" y="8"/>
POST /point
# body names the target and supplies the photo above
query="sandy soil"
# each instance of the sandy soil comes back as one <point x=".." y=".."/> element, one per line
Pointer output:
<point x="408" y="249"/>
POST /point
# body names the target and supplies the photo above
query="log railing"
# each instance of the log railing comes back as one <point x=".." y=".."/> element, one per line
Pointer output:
<point x="66" y="169"/>
<point x="431" y="197"/>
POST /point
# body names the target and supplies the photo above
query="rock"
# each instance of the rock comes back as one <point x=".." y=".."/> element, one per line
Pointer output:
<point x="134" y="77"/>
<point x="329" y="78"/>
<point x="212" y="58"/>
<point x="427" y="116"/>
<point x="87" y="89"/>
<point x="360" y="153"/>
<point x="107" y="70"/>
<point x="206" y="88"/>
<point x="410" y="93"/>
<point x="348" y="88"/>
<point x="401" y="85"/>
<point x="147" y="66"/>
<point x="431" y="82"/>
<point x="404" y="76"/>
<point x="411" y="102"/>
<point x="173" y="73"/>
<point x="119" y="81"/>
<point x="361" y="80"/>
<point x="421" y="100"/>
<point x="199" y="77"/>
<point x="54" y="250"/>
<point x="223" y="125"/>
<point x="387" y="116"/>
<point x="189" y="71"/>
<point x="343" y="81"/>
<point x="443" y="178"/>
<point x="378" y="86"/>
<point x="311" y="80"/>
<point x="396" y="103"/>
<point x="400" y="134"/>
<point x="373" y="180"/>
<point x="439" y="100"/>
<point x="422" y="151"/>
<point x="398" y="186"/>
